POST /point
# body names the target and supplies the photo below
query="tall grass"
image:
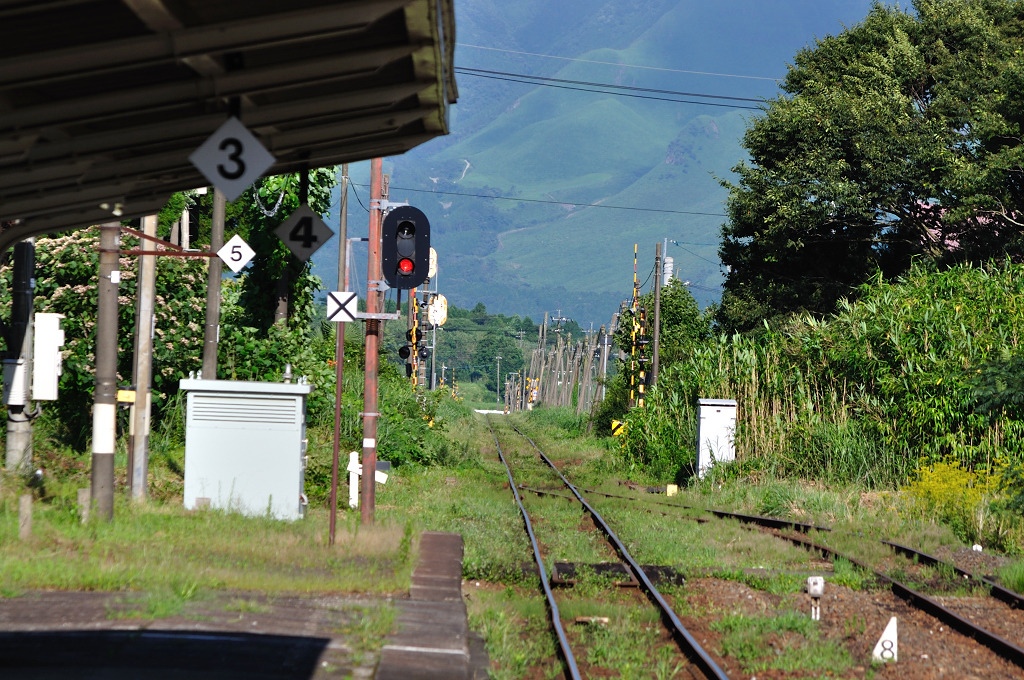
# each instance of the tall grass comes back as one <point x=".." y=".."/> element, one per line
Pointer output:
<point x="860" y="396"/>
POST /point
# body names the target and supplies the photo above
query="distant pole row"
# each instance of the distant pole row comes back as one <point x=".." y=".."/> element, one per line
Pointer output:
<point x="567" y="374"/>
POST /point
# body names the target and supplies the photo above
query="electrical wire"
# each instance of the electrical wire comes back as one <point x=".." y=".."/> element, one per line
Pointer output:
<point x="544" y="79"/>
<point x="619" y="94"/>
<point x="617" y="64"/>
<point x="539" y="200"/>
<point x="360" y="201"/>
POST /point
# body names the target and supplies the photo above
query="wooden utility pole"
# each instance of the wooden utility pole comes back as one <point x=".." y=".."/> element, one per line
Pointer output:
<point x="104" y="410"/>
<point x="657" y="313"/>
<point x="213" y="275"/>
<point x="370" y="413"/>
<point x="138" y="453"/>
<point x="339" y="351"/>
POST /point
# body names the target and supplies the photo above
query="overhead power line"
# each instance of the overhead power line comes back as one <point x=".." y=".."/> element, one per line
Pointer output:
<point x="619" y="64"/>
<point x="552" y="202"/>
<point x="609" y="89"/>
<point x="460" y="69"/>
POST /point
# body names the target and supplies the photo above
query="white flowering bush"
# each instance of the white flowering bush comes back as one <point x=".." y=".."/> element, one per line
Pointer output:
<point x="66" y="275"/>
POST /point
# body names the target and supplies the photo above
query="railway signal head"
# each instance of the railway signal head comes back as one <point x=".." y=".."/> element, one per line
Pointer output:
<point x="405" y="247"/>
<point x="424" y="353"/>
<point x="404" y="351"/>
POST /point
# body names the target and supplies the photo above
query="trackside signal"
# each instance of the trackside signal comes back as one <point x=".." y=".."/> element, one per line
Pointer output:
<point x="405" y="247"/>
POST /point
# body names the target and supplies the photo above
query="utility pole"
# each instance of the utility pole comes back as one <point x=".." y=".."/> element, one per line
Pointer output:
<point x="497" y="380"/>
<point x="606" y="343"/>
<point x="138" y="453"/>
<point x="339" y="351"/>
<point x="211" y="331"/>
<point x="370" y="413"/>
<point x="18" y="364"/>
<point x="104" y="411"/>
<point x="657" y="312"/>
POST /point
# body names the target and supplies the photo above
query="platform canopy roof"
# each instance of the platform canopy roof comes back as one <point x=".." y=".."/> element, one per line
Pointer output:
<point x="103" y="101"/>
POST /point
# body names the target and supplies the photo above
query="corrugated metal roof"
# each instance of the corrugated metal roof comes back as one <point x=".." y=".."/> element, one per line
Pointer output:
<point x="103" y="101"/>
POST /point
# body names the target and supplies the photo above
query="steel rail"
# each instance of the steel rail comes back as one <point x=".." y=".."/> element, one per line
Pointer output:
<point x="996" y="643"/>
<point x="1001" y="646"/>
<point x="995" y="590"/>
<point x="556" y="621"/>
<point x="696" y="652"/>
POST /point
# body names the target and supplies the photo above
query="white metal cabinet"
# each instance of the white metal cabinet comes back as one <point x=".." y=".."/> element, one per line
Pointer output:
<point x="716" y="431"/>
<point x="245" y="446"/>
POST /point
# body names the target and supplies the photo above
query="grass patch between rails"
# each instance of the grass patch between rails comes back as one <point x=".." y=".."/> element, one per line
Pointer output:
<point x="788" y="642"/>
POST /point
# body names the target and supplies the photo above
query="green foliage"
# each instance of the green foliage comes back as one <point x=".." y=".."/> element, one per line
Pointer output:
<point x="895" y="141"/>
<point x="904" y="372"/>
<point x="66" y="269"/>
<point x="959" y="497"/>
<point x="274" y="273"/>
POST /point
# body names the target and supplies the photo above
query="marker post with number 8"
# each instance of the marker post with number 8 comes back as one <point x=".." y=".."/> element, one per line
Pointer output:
<point x="232" y="159"/>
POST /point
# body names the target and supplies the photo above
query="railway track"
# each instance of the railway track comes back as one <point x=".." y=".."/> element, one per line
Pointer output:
<point x="989" y="616"/>
<point x="1002" y="625"/>
<point x="689" y="647"/>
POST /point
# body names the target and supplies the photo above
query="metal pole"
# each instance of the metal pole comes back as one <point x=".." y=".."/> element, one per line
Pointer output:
<point x="497" y="379"/>
<point x="19" y="358"/>
<point x="212" y="329"/>
<point x="372" y="342"/>
<point x="104" y="412"/>
<point x="339" y="351"/>
<point x="145" y="302"/>
<point x="606" y="342"/>
<point x="657" y="312"/>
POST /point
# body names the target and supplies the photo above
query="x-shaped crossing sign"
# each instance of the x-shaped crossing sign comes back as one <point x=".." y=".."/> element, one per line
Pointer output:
<point x="342" y="306"/>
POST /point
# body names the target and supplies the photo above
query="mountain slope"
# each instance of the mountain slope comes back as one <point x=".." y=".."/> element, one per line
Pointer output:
<point x="506" y="191"/>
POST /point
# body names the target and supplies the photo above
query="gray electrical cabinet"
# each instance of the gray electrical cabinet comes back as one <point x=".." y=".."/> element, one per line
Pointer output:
<point x="245" y="446"/>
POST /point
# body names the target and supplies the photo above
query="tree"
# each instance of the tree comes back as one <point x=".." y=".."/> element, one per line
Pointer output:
<point x="896" y="140"/>
<point x="277" y="286"/>
<point x="497" y="342"/>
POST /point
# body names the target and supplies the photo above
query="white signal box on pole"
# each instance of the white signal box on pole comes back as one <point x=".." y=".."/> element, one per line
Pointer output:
<point x="47" y="362"/>
<point x="437" y="310"/>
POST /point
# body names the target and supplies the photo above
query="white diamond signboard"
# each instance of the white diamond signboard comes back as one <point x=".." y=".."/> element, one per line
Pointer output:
<point x="236" y="253"/>
<point x="232" y="158"/>
<point x="304" y="232"/>
<point x="342" y="306"/>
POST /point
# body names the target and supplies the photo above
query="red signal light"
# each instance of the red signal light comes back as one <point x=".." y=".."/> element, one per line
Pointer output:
<point x="405" y="265"/>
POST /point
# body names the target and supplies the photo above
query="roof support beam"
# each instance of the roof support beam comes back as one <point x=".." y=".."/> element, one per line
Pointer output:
<point x="177" y="45"/>
<point x="203" y="90"/>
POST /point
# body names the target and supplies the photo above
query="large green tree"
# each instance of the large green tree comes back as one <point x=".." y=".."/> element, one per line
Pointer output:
<point x="898" y="139"/>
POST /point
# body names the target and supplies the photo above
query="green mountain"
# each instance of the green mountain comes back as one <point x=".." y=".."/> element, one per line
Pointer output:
<point x="509" y="192"/>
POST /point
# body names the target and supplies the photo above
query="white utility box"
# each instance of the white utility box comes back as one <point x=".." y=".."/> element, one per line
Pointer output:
<point x="716" y="431"/>
<point x="245" y="446"/>
<point x="47" y="361"/>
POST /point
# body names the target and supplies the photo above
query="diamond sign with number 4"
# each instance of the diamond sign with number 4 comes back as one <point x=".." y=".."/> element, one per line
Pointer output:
<point x="304" y="232"/>
<point x="236" y="253"/>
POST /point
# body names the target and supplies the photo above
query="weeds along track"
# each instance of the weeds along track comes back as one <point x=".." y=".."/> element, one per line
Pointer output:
<point x="972" y="605"/>
<point x="526" y="465"/>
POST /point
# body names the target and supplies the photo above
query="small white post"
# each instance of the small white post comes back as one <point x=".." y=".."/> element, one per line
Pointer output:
<point x="816" y="589"/>
<point x="25" y="517"/>
<point x="353" y="479"/>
